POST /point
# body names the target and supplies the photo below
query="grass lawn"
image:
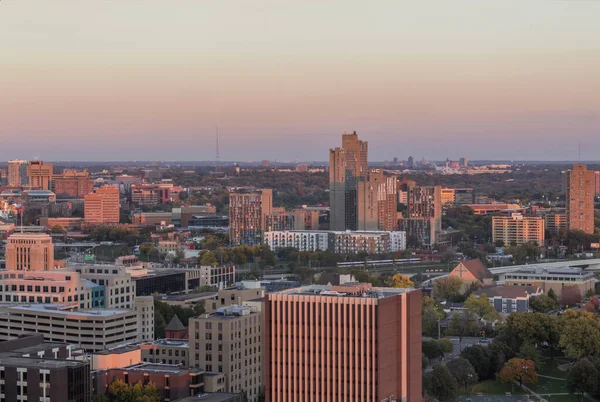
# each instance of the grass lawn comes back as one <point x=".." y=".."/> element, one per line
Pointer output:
<point x="550" y="368"/>
<point x="548" y="386"/>
<point x="494" y="387"/>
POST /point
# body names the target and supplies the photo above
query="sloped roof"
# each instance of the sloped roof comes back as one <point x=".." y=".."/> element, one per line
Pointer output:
<point x="175" y="324"/>
<point x="477" y="268"/>
<point x="507" y="291"/>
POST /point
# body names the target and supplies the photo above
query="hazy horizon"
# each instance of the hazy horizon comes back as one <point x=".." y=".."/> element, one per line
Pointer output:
<point x="123" y="81"/>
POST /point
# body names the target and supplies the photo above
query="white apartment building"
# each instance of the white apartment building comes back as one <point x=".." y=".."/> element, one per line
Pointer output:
<point x="302" y="240"/>
<point x="339" y="242"/>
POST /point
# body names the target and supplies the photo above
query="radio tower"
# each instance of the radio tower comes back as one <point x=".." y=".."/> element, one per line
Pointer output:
<point x="217" y="161"/>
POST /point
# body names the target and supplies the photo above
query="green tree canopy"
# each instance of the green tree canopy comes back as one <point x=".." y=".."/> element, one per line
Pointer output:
<point x="463" y="371"/>
<point x="440" y="383"/>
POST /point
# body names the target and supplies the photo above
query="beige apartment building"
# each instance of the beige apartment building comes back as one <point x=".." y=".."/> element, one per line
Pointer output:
<point x="518" y="229"/>
<point x="29" y="252"/>
<point x="17" y="173"/>
<point x="230" y="342"/>
<point x="40" y="174"/>
<point x="103" y="206"/>
<point x="580" y="188"/>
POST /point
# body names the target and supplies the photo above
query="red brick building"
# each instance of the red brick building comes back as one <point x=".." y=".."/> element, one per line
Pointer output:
<point x="343" y="343"/>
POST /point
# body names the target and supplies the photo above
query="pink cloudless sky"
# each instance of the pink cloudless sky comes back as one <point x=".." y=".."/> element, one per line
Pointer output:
<point x="124" y="80"/>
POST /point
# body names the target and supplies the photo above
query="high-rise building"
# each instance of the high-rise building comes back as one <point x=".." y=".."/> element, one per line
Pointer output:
<point x="247" y="216"/>
<point x="230" y="341"/>
<point x="386" y="199"/>
<point x="518" y="229"/>
<point x="29" y="252"/>
<point x="343" y="343"/>
<point x="348" y="167"/>
<point x="425" y="203"/>
<point x="464" y="162"/>
<point x="103" y="206"/>
<point x="597" y="183"/>
<point x="359" y="197"/>
<point x="17" y="173"/>
<point x="411" y="162"/>
<point x="579" y="197"/>
<point x="40" y="174"/>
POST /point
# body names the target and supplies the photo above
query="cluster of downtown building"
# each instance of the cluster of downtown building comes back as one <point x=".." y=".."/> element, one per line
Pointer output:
<point x="363" y="211"/>
<point x="67" y="332"/>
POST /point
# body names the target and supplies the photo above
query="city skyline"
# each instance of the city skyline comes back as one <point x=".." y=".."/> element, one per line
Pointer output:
<point x="283" y="81"/>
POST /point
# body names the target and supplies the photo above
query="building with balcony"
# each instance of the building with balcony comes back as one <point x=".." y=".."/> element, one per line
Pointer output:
<point x="518" y="229"/>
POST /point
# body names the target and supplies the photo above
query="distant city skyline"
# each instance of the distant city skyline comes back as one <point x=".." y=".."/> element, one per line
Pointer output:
<point x="504" y="80"/>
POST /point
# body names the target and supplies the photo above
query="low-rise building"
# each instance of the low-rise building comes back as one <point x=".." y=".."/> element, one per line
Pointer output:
<point x="339" y="242"/>
<point x="509" y="298"/>
<point x="552" y="278"/>
<point x="166" y="351"/>
<point x="153" y="218"/>
<point x="172" y="381"/>
<point x="472" y="271"/>
<point x="31" y="370"/>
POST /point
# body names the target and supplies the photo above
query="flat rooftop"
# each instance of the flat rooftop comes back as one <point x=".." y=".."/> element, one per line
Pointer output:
<point x="210" y="397"/>
<point x="157" y="368"/>
<point x="172" y="343"/>
<point x="118" y="350"/>
<point x="346" y="290"/>
<point x="6" y="359"/>
<point x="565" y="271"/>
<point x="184" y="297"/>
<point x="63" y="309"/>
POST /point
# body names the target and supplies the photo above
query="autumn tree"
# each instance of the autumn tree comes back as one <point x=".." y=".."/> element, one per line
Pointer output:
<point x="481" y="307"/>
<point x="463" y="371"/>
<point x="440" y="383"/>
<point x="570" y="296"/>
<point x="593" y="305"/>
<point x="582" y="377"/>
<point x="448" y="287"/>
<point x="517" y="369"/>
<point x="580" y="335"/>
<point x="400" y="281"/>
<point x="208" y="258"/>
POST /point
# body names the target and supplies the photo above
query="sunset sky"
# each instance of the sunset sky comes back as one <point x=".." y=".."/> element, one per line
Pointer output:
<point x="150" y="80"/>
